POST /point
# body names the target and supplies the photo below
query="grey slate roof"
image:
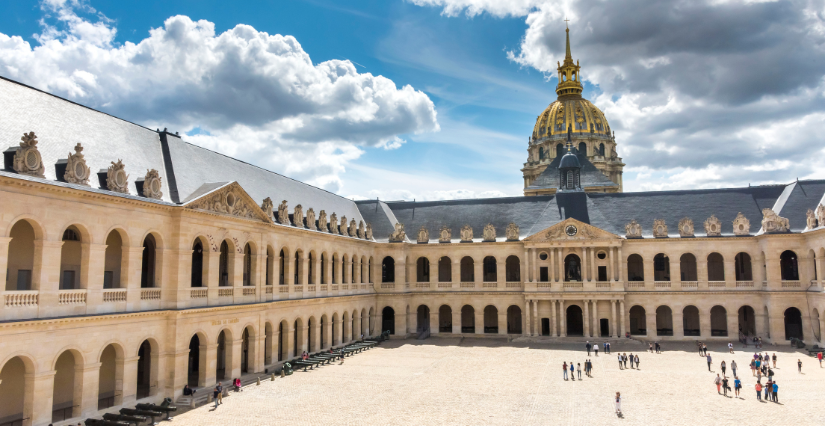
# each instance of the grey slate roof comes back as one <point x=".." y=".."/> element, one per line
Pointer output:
<point x="590" y="175"/>
<point x="60" y="124"/>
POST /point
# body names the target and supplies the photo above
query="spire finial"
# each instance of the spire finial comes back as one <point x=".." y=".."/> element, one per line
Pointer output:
<point x="567" y="55"/>
<point x="569" y="138"/>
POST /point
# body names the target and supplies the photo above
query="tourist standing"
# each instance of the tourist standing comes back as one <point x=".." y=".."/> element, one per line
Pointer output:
<point x="705" y="348"/>
<point x="819" y="357"/>
<point x="618" y="403"/>
<point x="596" y="349"/>
<point x="737" y="384"/>
<point x="631" y="360"/>
<point x="725" y="386"/>
<point x="637" y="361"/>
<point x="709" y="361"/>
<point x="588" y="347"/>
<point x="579" y="370"/>
<point x="619" y="357"/>
<point x="572" y="371"/>
<point x="218" y="394"/>
<point x="624" y="358"/>
<point x="718" y="382"/>
<point x="723" y="367"/>
<point x="768" y="387"/>
<point x="733" y="367"/>
<point x="775" y="392"/>
<point x="564" y="367"/>
<point x="730" y="347"/>
<point x="758" y="391"/>
<point x="700" y="348"/>
<point x="799" y="365"/>
<point x="774" y="360"/>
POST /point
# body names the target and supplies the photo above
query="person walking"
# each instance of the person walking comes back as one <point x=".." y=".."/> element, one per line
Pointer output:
<point x="710" y="360"/>
<point x="579" y="370"/>
<point x="564" y="367"/>
<point x="718" y="382"/>
<point x="758" y="388"/>
<point x="775" y="392"/>
<point x="733" y="367"/>
<point x="774" y="360"/>
<point x="700" y="349"/>
<point x="730" y="347"/>
<point x="737" y="385"/>
<point x="588" y="347"/>
<point x="799" y="365"/>
<point x="650" y="347"/>
<point x="596" y="349"/>
<point x="606" y="348"/>
<point x="619" y="357"/>
<point x="218" y="394"/>
<point x="624" y="358"/>
<point x="637" y="361"/>
<point x="752" y="365"/>
<point x="705" y="348"/>
<point x="618" y="403"/>
<point x="572" y="371"/>
<point x="819" y="357"/>
<point x="723" y="367"/>
<point x="725" y="386"/>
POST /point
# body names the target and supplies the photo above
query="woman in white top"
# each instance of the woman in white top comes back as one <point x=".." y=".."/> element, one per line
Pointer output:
<point x="618" y="403"/>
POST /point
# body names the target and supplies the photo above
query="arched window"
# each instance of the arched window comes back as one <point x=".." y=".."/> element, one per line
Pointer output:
<point x="490" y="272"/>
<point x="388" y="270"/>
<point x="445" y="270"/>
<point x="718" y="321"/>
<point x="635" y="268"/>
<point x="601" y="149"/>
<point x="793" y="323"/>
<point x="21" y="257"/>
<point x="147" y="271"/>
<point x="281" y="267"/>
<point x="541" y="153"/>
<point x="582" y="148"/>
<point x="716" y="267"/>
<point x="422" y="270"/>
<point x="70" y="259"/>
<point x="742" y="263"/>
<point x="788" y="265"/>
<point x="559" y="150"/>
<point x="197" y="264"/>
<point x="296" y="279"/>
<point x="513" y="269"/>
<point x="467" y="269"/>
<point x="572" y="268"/>
<point x="310" y="268"/>
<point x="247" y="265"/>
<point x="661" y="267"/>
<point x="323" y="268"/>
<point x="114" y="260"/>
<point x="269" y="258"/>
<point x="223" y="265"/>
<point x="687" y="267"/>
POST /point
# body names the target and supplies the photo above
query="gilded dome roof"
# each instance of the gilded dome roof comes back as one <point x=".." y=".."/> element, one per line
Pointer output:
<point x="579" y="114"/>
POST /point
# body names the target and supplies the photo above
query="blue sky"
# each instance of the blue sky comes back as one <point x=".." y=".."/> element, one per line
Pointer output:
<point x="480" y="70"/>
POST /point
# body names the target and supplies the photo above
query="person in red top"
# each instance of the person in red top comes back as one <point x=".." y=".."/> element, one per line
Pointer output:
<point x="819" y="357"/>
<point x="238" y="385"/>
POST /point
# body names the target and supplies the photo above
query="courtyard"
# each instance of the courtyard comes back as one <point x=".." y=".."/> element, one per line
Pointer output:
<point x="472" y="381"/>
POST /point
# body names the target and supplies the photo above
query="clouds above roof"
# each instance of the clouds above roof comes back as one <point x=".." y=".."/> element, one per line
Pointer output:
<point x="247" y="93"/>
<point x="701" y="93"/>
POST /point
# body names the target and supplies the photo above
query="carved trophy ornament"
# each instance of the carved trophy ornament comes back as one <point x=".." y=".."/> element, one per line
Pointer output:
<point x="283" y="213"/>
<point x="820" y="215"/>
<point x="76" y="169"/>
<point x="489" y="233"/>
<point x="322" y="221"/>
<point x="512" y="232"/>
<point x="713" y="227"/>
<point x="686" y="227"/>
<point x="741" y="225"/>
<point x="342" y="229"/>
<point x="152" y="185"/>
<point x="368" y="232"/>
<point x="361" y="229"/>
<point x="116" y="178"/>
<point x="810" y="219"/>
<point x="27" y="159"/>
<point x="633" y="229"/>
<point x="772" y="222"/>
<point x="423" y="236"/>
<point x="445" y="235"/>
<point x="298" y="216"/>
<point x="267" y="207"/>
<point x="311" y="219"/>
<point x="398" y="236"/>
<point x="466" y="234"/>
<point x="333" y="224"/>
<point x="659" y="228"/>
<point x="353" y="228"/>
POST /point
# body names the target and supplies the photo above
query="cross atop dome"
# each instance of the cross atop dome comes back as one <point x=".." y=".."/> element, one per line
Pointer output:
<point x="569" y="74"/>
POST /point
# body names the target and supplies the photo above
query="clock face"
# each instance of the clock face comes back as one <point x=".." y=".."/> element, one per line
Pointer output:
<point x="571" y="230"/>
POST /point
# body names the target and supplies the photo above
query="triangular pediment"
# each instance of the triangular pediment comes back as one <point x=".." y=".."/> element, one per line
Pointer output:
<point x="580" y="231"/>
<point x="228" y="199"/>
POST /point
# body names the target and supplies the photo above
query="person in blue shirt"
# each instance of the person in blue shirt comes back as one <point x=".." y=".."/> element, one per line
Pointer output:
<point x="737" y="384"/>
<point x="775" y="393"/>
<point x="572" y="370"/>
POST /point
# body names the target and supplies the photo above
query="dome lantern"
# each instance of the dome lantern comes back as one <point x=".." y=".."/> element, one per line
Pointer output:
<point x="570" y="167"/>
<point x="569" y="75"/>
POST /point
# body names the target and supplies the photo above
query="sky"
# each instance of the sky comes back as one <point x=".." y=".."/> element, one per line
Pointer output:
<point x="436" y="99"/>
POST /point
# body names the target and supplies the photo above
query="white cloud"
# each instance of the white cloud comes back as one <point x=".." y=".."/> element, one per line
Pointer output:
<point x="255" y="96"/>
<point x="498" y="8"/>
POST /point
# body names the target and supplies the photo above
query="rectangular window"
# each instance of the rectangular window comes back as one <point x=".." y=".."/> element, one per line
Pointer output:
<point x="24" y="279"/>
<point x="108" y="279"/>
<point x="544" y="276"/>
<point x="68" y="280"/>
<point x="602" y="273"/>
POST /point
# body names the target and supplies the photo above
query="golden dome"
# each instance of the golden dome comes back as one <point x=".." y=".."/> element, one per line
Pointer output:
<point x="580" y="114"/>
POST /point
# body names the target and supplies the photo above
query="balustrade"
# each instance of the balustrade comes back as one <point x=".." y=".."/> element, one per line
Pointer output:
<point x="114" y="295"/>
<point x="226" y="292"/>
<point x="198" y="293"/>
<point x="249" y="291"/>
<point x="21" y="298"/>
<point x="150" y="294"/>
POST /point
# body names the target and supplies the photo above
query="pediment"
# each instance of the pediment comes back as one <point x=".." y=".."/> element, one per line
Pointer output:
<point x="229" y="200"/>
<point x="558" y="232"/>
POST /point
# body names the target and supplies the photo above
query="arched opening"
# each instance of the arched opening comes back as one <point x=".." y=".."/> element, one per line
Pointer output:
<point x="245" y="351"/>
<point x="145" y="375"/>
<point x="311" y="268"/>
<point x="491" y="319"/>
<point x="68" y="387"/>
<point x="601" y="149"/>
<point x="223" y="265"/>
<point x="335" y="332"/>
<point x="270" y="255"/>
<point x="297" y="327"/>
<point x="323" y="268"/>
<point x="197" y="264"/>
<point x="15" y="391"/>
<point x="310" y="335"/>
<point x="422" y="270"/>
<point x="661" y="267"/>
<point x="149" y="263"/>
<point x="247" y="265"/>
<point x="514" y="320"/>
<point x="387" y="270"/>
<point x="572" y="268"/>
<point x="71" y="253"/>
<point x="467" y="273"/>
<point x="196" y="376"/>
<point x="690" y="321"/>
<point x="742" y="265"/>
<point x="815" y="324"/>
<point x="110" y="379"/>
<point x="114" y="260"/>
<point x="21" y="257"/>
<point x="298" y="267"/>
<point x="388" y="320"/>
<point x="369" y="271"/>
<point x="574" y="320"/>
<point x="793" y="323"/>
<point x="635" y="268"/>
<point x="512" y="269"/>
<point x="716" y="267"/>
<point x="718" y="321"/>
<point x="582" y="147"/>
<point x="559" y="150"/>
<point x="664" y="321"/>
<point x="747" y="321"/>
<point x="445" y="270"/>
<point x="445" y="319"/>
<point x="283" y="347"/>
<point x="354" y="325"/>
<point x="638" y="321"/>
<point x="281" y="267"/>
<point x="687" y="266"/>
<point x="468" y="319"/>
<point x="490" y="272"/>
<point x="322" y="330"/>
<point x="788" y="266"/>
<point x="423" y="318"/>
<point x="345" y="329"/>
<point x="223" y="357"/>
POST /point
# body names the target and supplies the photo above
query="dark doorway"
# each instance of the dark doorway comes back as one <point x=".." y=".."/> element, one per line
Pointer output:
<point x="468" y="319"/>
<point x="423" y="316"/>
<point x="245" y="351"/>
<point x="445" y="319"/>
<point x="793" y="324"/>
<point x="194" y="361"/>
<point x="747" y="322"/>
<point x="604" y="328"/>
<point x="638" y="321"/>
<point x="388" y="320"/>
<point x="575" y="324"/>
<point x="602" y="273"/>
<point x="545" y="326"/>
<point x="197" y="265"/>
<point x="144" y="368"/>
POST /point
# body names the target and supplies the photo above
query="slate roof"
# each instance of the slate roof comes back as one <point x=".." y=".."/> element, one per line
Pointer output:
<point x="590" y="175"/>
<point x="184" y="168"/>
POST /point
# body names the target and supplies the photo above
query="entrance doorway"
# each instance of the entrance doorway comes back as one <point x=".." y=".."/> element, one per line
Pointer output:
<point x="604" y="328"/>
<point x="575" y="322"/>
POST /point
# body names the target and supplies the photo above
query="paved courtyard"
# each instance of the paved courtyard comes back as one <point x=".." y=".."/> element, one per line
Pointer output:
<point x="450" y="381"/>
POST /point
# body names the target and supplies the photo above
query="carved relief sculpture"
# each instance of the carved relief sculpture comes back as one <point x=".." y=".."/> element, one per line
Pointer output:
<point x="152" y="185"/>
<point x="398" y="236"/>
<point x="77" y="171"/>
<point x="322" y="221"/>
<point x="353" y="228"/>
<point x="772" y="222"/>
<point x="311" y="219"/>
<point x="633" y="229"/>
<point x="512" y="232"/>
<point x="466" y="234"/>
<point x="810" y="219"/>
<point x="713" y="227"/>
<point x="298" y="216"/>
<point x="229" y="201"/>
<point x="361" y="229"/>
<point x="267" y="207"/>
<point x="423" y="236"/>
<point x="368" y="232"/>
<point x="27" y="159"/>
<point x="489" y="233"/>
<point x="283" y="213"/>
<point x="116" y="178"/>
<point x="333" y="224"/>
<point x="820" y="215"/>
<point x="741" y="225"/>
<point x="659" y="228"/>
<point x="686" y="227"/>
<point x="445" y="235"/>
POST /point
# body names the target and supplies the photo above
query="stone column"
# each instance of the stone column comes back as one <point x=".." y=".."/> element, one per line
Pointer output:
<point x="91" y="275"/>
<point x="316" y="270"/>
<point x="614" y="328"/>
<point x="456" y="314"/>
<point x="584" y="264"/>
<point x="400" y="268"/>
<point x="338" y="336"/>
<point x="90" y="385"/>
<point x="553" y="329"/>
<point x="760" y="323"/>
<point x="400" y="322"/>
<point x="4" y="261"/>
<point x="357" y="269"/>
<point x="551" y="270"/>
<point x="455" y="272"/>
<point x="704" y="323"/>
<point x="675" y="272"/>
<point x="620" y="262"/>
<point x="622" y="317"/>
<point x="610" y="274"/>
<point x="478" y="272"/>
<point x="526" y="326"/>
<point x="304" y="271"/>
<point x="434" y="272"/>
<point x="586" y="304"/>
<point x="732" y="317"/>
<point x="678" y="323"/>
<point x="129" y="389"/>
<point x="211" y="364"/>
<point x="316" y="335"/>
<point x="536" y="319"/>
<point x="434" y="324"/>
<point x="338" y="264"/>
<point x="41" y="398"/>
<point x="524" y="269"/>
<point x="650" y="319"/>
<point x="479" y="319"/>
<point x="730" y="275"/>
<point x="234" y="347"/>
<point x="562" y="319"/>
<point x="502" y="322"/>
<point x="236" y="274"/>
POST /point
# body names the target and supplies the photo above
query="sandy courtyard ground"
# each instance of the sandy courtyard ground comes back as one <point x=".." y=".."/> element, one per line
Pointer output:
<point x="453" y="381"/>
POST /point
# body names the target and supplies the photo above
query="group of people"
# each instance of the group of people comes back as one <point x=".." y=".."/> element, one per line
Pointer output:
<point x="595" y="348"/>
<point x="577" y="369"/>
<point x="760" y="366"/>
<point x="624" y="357"/>
<point x="654" y="345"/>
